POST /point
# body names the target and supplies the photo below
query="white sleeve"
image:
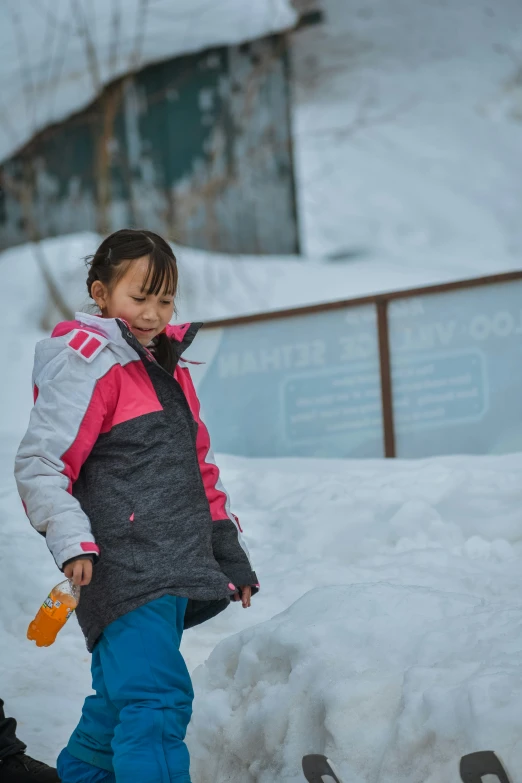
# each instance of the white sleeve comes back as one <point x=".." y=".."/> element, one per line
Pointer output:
<point x="65" y="422"/>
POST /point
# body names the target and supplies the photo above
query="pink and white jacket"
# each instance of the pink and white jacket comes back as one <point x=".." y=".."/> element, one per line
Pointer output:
<point x="117" y="463"/>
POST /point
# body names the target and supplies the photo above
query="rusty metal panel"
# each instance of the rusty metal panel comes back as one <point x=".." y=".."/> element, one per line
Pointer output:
<point x="197" y="148"/>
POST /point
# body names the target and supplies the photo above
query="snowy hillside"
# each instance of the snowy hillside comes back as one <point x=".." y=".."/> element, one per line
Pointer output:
<point x="56" y="55"/>
<point x="408" y="130"/>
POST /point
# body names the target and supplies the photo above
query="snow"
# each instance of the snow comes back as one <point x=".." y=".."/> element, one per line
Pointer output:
<point x="407" y="130"/>
<point x="387" y="630"/>
<point x="404" y="650"/>
<point x="363" y="673"/>
<point x="56" y="55"/>
<point x="215" y="285"/>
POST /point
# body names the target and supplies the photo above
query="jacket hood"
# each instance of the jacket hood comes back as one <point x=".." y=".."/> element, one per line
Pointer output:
<point x="111" y="329"/>
<point x="115" y="332"/>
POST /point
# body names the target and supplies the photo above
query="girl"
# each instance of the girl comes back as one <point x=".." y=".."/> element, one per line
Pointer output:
<point x="116" y="470"/>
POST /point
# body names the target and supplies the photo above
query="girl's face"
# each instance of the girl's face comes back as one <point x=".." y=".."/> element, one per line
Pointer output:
<point x="146" y="314"/>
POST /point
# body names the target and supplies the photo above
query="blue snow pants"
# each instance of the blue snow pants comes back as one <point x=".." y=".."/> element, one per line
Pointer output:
<point x="133" y="728"/>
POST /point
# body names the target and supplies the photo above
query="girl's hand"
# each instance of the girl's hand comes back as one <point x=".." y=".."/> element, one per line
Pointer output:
<point x="244" y="595"/>
<point x="80" y="571"/>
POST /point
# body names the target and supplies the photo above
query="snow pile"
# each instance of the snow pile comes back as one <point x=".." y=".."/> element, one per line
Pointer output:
<point x="393" y="683"/>
<point x="407" y="129"/>
<point x="407" y="652"/>
<point x="56" y="56"/>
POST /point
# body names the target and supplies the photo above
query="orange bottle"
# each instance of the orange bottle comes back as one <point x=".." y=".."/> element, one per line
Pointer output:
<point x="54" y="613"/>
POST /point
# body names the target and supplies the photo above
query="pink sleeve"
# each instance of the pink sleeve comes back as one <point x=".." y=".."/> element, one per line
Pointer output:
<point x="230" y="549"/>
<point x="217" y="495"/>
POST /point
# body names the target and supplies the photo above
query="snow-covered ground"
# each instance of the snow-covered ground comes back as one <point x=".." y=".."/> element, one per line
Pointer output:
<point x="386" y="634"/>
<point x="407" y="130"/>
<point x="402" y="652"/>
<point x="56" y="55"/>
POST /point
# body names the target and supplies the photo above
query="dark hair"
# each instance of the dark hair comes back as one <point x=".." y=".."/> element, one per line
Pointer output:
<point x="111" y="261"/>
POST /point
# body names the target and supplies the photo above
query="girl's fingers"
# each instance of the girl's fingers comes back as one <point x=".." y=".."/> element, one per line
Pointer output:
<point x="79" y="572"/>
<point x="86" y="572"/>
<point x="244" y="595"/>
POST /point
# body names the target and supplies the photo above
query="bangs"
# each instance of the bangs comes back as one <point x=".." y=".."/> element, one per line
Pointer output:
<point x="162" y="274"/>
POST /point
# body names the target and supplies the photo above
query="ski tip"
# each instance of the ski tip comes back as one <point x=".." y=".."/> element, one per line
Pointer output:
<point x="319" y="769"/>
<point x="475" y="766"/>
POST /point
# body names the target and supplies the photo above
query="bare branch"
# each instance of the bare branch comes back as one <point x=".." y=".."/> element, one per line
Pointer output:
<point x="54" y="292"/>
<point x="179" y="16"/>
<point x="55" y="68"/>
<point x="24" y="192"/>
<point x="49" y="15"/>
<point x="115" y="38"/>
<point x="5" y="123"/>
<point x="24" y="65"/>
<point x="363" y="119"/>
<point x="90" y="50"/>
<point x="141" y="23"/>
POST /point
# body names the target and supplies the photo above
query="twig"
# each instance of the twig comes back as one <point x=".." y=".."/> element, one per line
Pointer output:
<point x="24" y="66"/>
<point x="141" y="23"/>
<point x="24" y="192"/>
<point x="115" y="38"/>
<point x="361" y="120"/>
<point x="6" y="125"/>
<point x="90" y="50"/>
<point x="55" y="68"/>
<point x="54" y="292"/>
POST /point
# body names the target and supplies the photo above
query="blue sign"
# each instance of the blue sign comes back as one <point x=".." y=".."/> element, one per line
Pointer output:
<point x="299" y="386"/>
<point x="309" y="385"/>
<point x="457" y="371"/>
<point x="341" y="399"/>
<point x="439" y="390"/>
